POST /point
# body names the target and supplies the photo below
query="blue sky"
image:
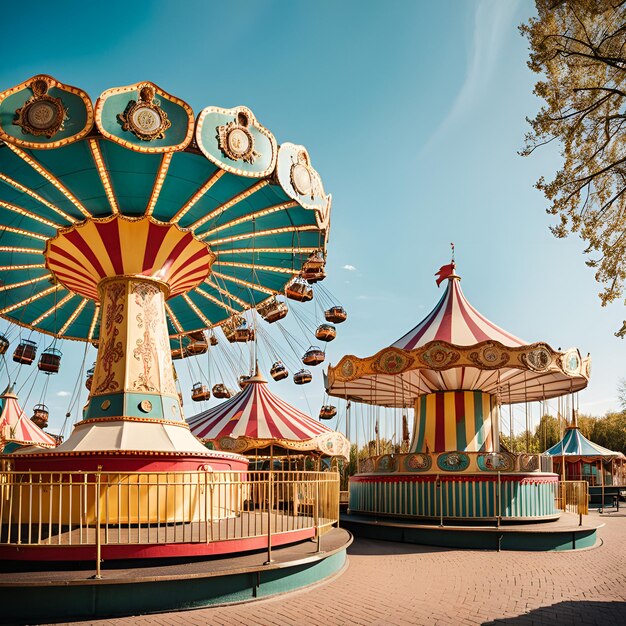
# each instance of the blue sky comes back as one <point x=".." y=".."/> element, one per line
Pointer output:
<point x="413" y="113"/>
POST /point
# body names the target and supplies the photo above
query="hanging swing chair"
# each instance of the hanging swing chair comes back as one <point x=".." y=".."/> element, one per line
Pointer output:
<point x="313" y="356"/>
<point x="328" y="411"/>
<point x="325" y="332"/>
<point x="299" y="290"/>
<point x="221" y="391"/>
<point x="273" y="310"/>
<point x="50" y="361"/>
<point x="197" y="344"/>
<point x="4" y="344"/>
<point x="213" y="339"/>
<point x="40" y="415"/>
<point x="25" y="352"/>
<point x="279" y="371"/>
<point x="336" y="315"/>
<point x="302" y="377"/>
<point x="200" y="392"/>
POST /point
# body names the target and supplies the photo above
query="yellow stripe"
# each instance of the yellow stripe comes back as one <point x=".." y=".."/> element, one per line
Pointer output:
<point x="470" y="422"/>
<point x="133" y="241"/>
<point x="429" y="434"/>
<point x="450" y="421"/>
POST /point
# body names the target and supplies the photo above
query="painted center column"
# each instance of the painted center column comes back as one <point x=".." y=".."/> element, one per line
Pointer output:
<point x="133" y="376"/>
<point x="456" y="420"/>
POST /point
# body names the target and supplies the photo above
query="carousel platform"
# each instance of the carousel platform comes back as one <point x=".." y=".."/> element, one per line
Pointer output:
<point x="565" y="533"/>
<point x="70" y="591"/>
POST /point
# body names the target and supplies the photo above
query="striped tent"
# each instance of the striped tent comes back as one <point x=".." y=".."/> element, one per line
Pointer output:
<point x="16" y="429"/>
<point x="575" y="445"/>
<point x="457" y="348"/>
<point x="256" y="418"/>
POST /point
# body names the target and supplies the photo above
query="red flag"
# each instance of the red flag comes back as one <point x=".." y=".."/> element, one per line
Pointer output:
<point x="444" y="272"/>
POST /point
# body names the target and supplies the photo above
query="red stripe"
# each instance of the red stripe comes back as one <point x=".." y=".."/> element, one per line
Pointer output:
<point x="459" y="406"/>
<point x="421" y="328"/>
<point x="194" y="257"/>
<point x="177" y="251"/>
<point x="156" y="235"/>
<point x="110" y="235"/>
<point x="198" y="272"/>
<point x="76" y="238"/>
<point x="444" y="332"/>
<point x="72" y="271"/>
<point x="440" y="423"/>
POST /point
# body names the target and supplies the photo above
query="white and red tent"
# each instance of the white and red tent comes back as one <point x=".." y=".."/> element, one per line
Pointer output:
<point x="17" y="428"/>
<point x="256" y="418"/>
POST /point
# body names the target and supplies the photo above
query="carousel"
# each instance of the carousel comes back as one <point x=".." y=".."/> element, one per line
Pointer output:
<point x="262" y="426"/>
<point x="137" y="227"/>
<point x="456" y="369"/>
<point x="577" y="458"/>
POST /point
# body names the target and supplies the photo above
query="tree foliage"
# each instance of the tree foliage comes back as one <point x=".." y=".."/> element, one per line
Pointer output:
<point x="579" y="48"/>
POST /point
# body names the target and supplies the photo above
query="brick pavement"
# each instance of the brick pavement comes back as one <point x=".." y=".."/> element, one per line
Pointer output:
<point x="398" y="584"/>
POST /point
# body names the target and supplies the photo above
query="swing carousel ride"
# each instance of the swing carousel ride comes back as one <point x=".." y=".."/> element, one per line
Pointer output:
<point x="142" y="230"/>
<point x="456" y="369"/>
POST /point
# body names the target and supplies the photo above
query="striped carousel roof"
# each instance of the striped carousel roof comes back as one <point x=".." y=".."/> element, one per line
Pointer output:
<point x="456" y="348"/>
<point x="575" y="444"/>
<point x="16" y="427"/>
<point x="256" y="418"/>
<point x="456" y="321"/>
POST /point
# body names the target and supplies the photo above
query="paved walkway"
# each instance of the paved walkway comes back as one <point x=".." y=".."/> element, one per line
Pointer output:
<point x="398" y="584"/>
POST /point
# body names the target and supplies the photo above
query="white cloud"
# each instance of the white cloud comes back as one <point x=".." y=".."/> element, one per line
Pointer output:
<point x="63" y="394"/>
<point x="350" y="268"/>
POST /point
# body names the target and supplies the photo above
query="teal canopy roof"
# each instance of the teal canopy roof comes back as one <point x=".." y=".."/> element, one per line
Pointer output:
<point x="575" y="444"/>
<point x="261" y="207"/>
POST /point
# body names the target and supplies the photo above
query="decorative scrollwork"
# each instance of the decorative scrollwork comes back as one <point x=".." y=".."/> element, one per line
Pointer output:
<point x="528" y="462"/>
<point x="348" y="368"/>
<point x="304" y="179"/>
<point x="145" y="118"/>
<point x="571" y="362"/>
<point x="453" y="462"/>
<point x="495" y="462"/>
<point x="418" y="462"/>
<point x="367" y="466"/>
<point x="42" y="114"/>
<point x="538" y="359"/>
<point x="439" y="356"/>
<point x="392" y="362"/>
<point x="489" y="356"/>
<point x="236" y="141"/>
<point x="387" y="463"/>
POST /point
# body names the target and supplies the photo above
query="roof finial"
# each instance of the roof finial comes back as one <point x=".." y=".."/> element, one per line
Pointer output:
<point x="447" y="271"/>
<point x="452" y="246"/>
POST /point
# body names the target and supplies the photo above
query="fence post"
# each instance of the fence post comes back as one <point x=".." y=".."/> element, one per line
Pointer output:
<point x="499" y="502"/>
<point x="98" y="540"/>
<point x="270" y="506"/>
<point x="440" y="488"/>
<point x="317" y="514"/>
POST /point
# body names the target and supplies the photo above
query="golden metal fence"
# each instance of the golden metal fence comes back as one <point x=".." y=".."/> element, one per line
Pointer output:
<point x="573" y="496"/>
<point x="112" y="508"/>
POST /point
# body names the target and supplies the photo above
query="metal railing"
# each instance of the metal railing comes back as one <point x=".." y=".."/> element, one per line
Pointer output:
<point x="573" y="496"/>
<point x="111" y="508"/>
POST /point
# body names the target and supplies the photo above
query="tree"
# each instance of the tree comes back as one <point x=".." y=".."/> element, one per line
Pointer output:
<point x="621" y="393"/>
<point x="579" y="46"/>
<point x="547" y="432"/>
<point x="610" y="431"/>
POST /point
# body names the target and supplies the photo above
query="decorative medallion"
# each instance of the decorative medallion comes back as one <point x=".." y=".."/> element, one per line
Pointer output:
<point x="453" y="462"/>
<point x="42" y="114"/>
<point x="538" y="359"/>
<point x="418" y="462"/>
<point x="367" y="466"/>
<point x="302" y="176"/>
<point x="528" y="462"/>
<point x="489" y="356"/>
<point x="387" y="463"/>
<point x="229" y="444"/>
<point x="145" y="118"/>
<point x="439" y="356"/>
<point x="571" y="362"/>
<point x="145" y="406"/>
<point x="105" y="405"/>
<point x="347" y="368"/>
<point x="391" y="362"/>
<point x="236" y="141"/>
<point x="495" y="462"/>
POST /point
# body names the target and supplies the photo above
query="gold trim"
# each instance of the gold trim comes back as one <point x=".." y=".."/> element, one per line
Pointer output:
<point x="22" y="188"/>
<point x="54" y="308"/>
<point x="264" y="250"/>
<point x="8" y="268"/>
<point x="42" y="171"/>
<point x="144" y="148"/>
<point x="195" y="309"/>
<point x="246" y="193"/>
<point x="215" y="300"/>
<point x="261" y="233"/>
<point x="265" y="268"/>
<point x="52" y="82"/>
<point x="20" y="231"/>
<point x="225" y="292"/>
<point x="253" y="216"/>
<point x="166" y="159"/>
<point x="245" y="283"/>
<point x="23" y="283"/>
<point x="199" y="193"/>
<point x="27" y="301"/>
<point x="21" y="250"/>
<point x="73" y="316"/>
<point x="104" y="174"/>
<point x="147" y="102"/>
<point x="26" y="213"/>
<point x="252" y="121"/>
<point x="94" y="321"/>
